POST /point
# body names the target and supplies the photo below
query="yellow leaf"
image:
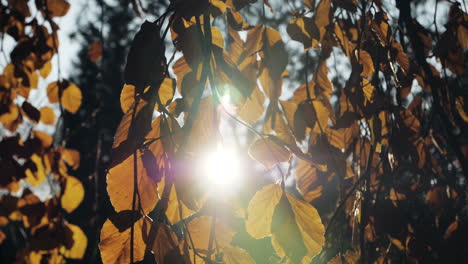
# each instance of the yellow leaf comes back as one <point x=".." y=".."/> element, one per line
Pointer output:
<point x="73" y="194"/>
<point x="269" y="152"/>
<point x="115" y="239"/>
<point x="309" y="223"/>
<point x="306" y="177"/>
<point x="200" y="230"/>
<point x="460" y="105"/>
<point x="260" y="211"/>
<point x="127" y="97"/>
<point x="204" y="127"/>
<point x="47" y="115"/>
<point x="80" y="242"/>
<point x="71" y="98"/>
<point x="70" y="156"/>
<point x="252" y="109"/>
<point x="46" y="139"/>
<point x="166" y="90"/>
<point x="235" y="255"/>
<point x="176" y="211"/>
<point x="39" y="176"/>
<point x="120" y="181"/>
<point x="296" y="226"/>
<point x="46" y="69"/>
<point x="53" y="92"/>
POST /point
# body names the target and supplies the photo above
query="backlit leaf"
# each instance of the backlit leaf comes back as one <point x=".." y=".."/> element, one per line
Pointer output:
<point x="261" y="209"/>
<point x="115" y="239"/>
<point x="235" y="255"/>
<point x="200" y="230"/>
<point x="268" y="152"/>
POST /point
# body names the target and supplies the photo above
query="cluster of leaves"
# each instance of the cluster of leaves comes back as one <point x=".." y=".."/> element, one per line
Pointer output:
<point x="383" y="148"/>
<point x="29" y="157"/>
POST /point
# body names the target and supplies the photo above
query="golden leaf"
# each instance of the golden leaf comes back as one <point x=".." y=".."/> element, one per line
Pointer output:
<point x="71" y="98"/>
<point x="127" y="97"/>
<point x="120" y="181"/>
<point x="46" y="139"/>
<point x="460" y="105"/>
<point x="235" y="255"/>
<point x="269" y="152"/>
<point x="296" y="226"/>
<point x="176" y="211"/>
<point x="252" y="109"/>
<point x="261" y="209"/>
<point x="80" y="242"/>
<point x="53" y="92"/>
<point x="166" y="90"/>
<point x="204" y="127"/>
<point x="46" y="69"/>
<point x="39" y="176"/>
<point x="47" y="115"/>
<point x="200" y="230"/>
<point x="306" y="177"/>
<point x="115" y="240"/>
<point x="73" y="194"/>
<point x="70" y="156"/>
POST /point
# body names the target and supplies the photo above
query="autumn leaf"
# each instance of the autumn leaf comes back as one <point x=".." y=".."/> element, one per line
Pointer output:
<point x="72" y="195"/>
<point x="95" y="51"/>
<point x="57" y="8"/>
<point x="200" y="230"/>
<point x="123" y="175"/>
<point x="269" y="152"/>
<point x="115" y="238"/>
<point x="80" y="243"/>
<point x="47" y="115"/>
<point x="235" y="255"/>
<point x="295" y="225"/>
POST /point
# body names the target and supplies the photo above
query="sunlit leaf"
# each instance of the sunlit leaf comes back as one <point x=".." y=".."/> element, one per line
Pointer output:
<point x="115" y="238"/>
<point x="269" y="152"/>
<point x="200" y="230"/>
<point x="80" y="243"/>
<point x="71" y="98"/>
<point x="72" y="195"/>
<point x="235" y="255"/>
<point x="47" y="115"/>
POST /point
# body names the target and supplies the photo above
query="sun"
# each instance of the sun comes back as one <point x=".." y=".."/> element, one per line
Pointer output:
<point x="221" y="171"/>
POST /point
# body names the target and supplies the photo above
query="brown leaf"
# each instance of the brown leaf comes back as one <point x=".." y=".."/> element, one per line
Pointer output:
<point x="95" y="51"/>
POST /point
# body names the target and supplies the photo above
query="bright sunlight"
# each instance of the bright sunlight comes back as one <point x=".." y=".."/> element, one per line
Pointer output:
<point x="221" y="170"/>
